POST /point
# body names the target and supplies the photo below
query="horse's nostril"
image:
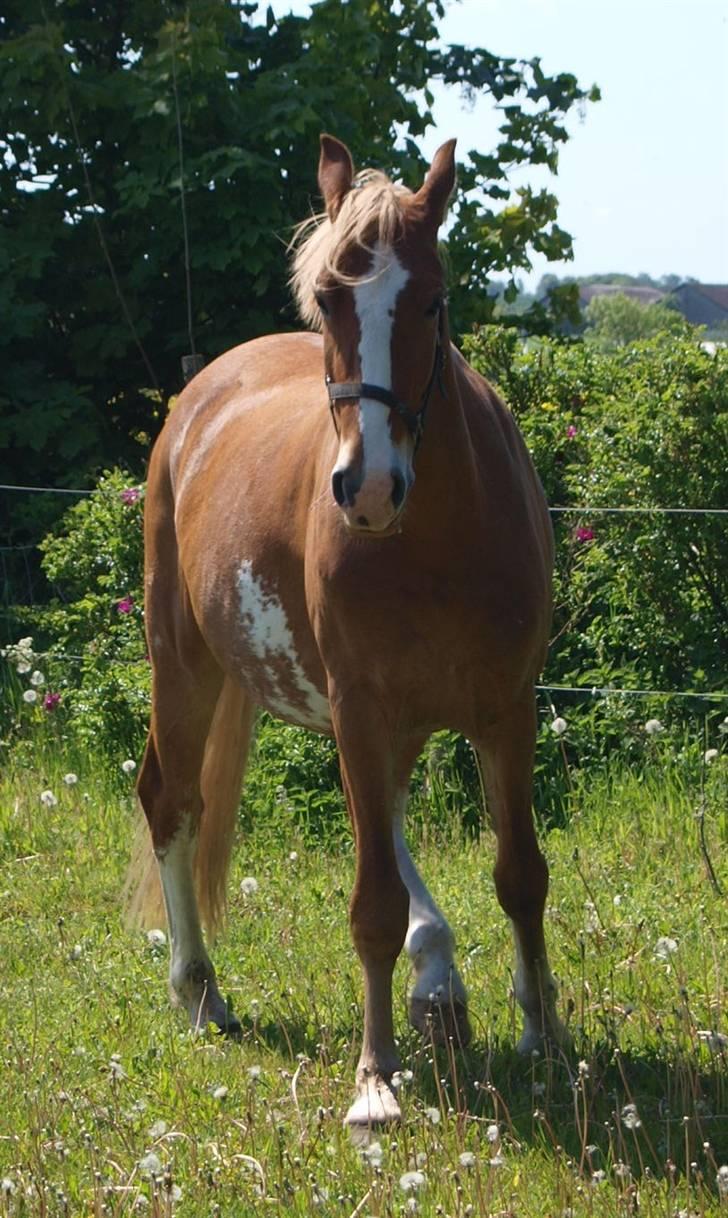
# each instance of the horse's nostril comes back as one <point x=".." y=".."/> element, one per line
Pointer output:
<point x="398" y="488"/>
<point x="337" y="486"/>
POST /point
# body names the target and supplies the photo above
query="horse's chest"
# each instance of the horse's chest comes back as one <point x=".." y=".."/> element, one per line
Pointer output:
<point x="270" y="654"/>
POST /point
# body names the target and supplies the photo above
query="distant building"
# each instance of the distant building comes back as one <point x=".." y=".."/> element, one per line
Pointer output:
<point x="703" y="304"/>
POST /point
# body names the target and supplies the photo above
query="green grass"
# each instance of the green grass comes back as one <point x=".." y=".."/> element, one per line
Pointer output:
<point x="99" y="1073"/>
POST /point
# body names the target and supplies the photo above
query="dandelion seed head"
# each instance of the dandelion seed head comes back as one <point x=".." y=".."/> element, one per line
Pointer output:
<point x="70" y="779"/>
<point x="220" y="1092"/>
<point x="150" y="1164"/>
<point x="37" y="679"/>
<point x="48" y="799"/>
<point x="30" y="696"/>
<point x="412" y="1181"/>
<point x="433" y="1115"/>
<point x="466" y="1159"/>
<point x="558" y="726"/>
<point x="249" y="886"/>
<point x="492" y="1133"/>
<point x="721" y="1180"/>
<point x="710" y="755"/>
<point x="665" y="947"/>
<point x="630" y="1117"/>
<point x="129" y="765"/>
<point x="653" y="727"/>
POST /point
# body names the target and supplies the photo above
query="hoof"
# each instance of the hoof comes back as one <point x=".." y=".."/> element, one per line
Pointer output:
<point x="441" y="1021"/>
<point x="538" y="1037"/>
<point x="375" y="1104"/>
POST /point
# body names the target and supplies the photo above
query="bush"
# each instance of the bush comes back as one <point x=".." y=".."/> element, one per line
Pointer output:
<point x="640" y="600"/>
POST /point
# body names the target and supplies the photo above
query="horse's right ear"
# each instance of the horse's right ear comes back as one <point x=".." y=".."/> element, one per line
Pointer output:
<point x="335" y="173"/>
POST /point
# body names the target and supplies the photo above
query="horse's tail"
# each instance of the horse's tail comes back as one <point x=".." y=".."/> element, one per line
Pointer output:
<point x="221" y="778"/>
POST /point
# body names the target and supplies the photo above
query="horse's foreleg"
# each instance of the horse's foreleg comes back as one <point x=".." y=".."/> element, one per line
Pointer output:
<point x="379" y="902"/>
<point x="438" y="1002"/>
<point x="521" y="871"/>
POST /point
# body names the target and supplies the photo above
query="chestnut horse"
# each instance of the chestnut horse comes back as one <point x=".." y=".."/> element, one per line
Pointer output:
<point x="345" y="529"/>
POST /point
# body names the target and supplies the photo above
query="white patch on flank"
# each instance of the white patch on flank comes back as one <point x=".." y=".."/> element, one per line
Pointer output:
<point x="429" y="944"/>
<point x="269" y="637"/>
<point x="375" y="298"/>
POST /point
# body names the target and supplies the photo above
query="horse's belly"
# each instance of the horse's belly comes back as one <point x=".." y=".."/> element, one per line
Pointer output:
<point x="274" y="657"/>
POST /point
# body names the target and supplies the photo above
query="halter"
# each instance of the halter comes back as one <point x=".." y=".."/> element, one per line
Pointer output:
<point x="414" y="421"/>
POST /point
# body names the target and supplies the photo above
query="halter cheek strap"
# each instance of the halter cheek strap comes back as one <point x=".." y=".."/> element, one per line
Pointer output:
<point x="351" y="391"/>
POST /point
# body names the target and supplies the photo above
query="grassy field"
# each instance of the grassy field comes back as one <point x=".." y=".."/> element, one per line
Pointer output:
<point x="109" y="1106"/>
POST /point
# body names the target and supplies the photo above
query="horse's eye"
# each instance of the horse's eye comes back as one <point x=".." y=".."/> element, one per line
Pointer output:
<point x="322" y="303"/>
<point x="434" y="308"/>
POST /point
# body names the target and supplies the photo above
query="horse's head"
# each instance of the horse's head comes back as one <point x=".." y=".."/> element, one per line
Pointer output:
<point x="376" y="288"/>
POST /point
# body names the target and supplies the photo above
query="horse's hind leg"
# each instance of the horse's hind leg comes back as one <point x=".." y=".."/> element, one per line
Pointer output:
<point x="521" y="871"/>
<point x="194" y="713"/>
<point x="438" y="1002"/>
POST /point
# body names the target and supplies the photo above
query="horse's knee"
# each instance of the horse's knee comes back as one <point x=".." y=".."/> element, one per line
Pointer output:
<point x="378" y="916"/>
<point x="521" y="883"/>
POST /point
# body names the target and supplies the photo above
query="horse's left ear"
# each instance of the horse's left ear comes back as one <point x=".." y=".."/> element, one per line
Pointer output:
<point x="335" y="173"/>
<point x="438" y="185"/>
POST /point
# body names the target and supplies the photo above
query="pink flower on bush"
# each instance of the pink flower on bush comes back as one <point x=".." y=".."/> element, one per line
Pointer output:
<point x="130" y="494"/>
<point x="50" y="702"/>
<point x="125" y="605"/>
<point x="584" y="533"/>
<point x="571" y="431"/>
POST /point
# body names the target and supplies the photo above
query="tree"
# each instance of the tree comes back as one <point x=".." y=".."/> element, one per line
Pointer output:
<point x="144" y="129"/>
<point x="616" y="320"/>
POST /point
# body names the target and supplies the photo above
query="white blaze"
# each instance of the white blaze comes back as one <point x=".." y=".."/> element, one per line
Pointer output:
<point x="375" y="298"/>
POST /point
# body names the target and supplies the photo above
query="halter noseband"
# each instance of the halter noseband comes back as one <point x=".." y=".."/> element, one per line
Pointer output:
<point x="414" y="421"/>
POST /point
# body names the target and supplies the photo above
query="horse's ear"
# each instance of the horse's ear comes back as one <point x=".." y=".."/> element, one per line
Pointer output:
<point x="335" y="173"/>
<point x="438" y="185"/>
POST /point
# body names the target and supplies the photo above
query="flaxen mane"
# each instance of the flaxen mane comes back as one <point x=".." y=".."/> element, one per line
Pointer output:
<point x="370" y="212"/>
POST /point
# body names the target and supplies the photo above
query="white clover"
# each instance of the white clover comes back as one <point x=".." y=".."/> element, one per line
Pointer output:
<point x="558" y="726"/>
<point x="630" y="1117"/>
<point x="30" y="696"/>
<point x="412" y="1181"/>
<point x="665" y="947"/>
<point x="466" y="1159"/>
<point x="129" y="765"/>
<point x="220" y="1093"/>
<point x="48" y="799"/>
<point x="70" y="779"/>
<point x="156" y="937"/>
<point x="433" y="1115"/>
<point x="249" y="886"/>
<point x="653" y="727"/>
<point x="150" y="1164"/>
<point x="710" y="755"/>
<point x="37" y="679"/>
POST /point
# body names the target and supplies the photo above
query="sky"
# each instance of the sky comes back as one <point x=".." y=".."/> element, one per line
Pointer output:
<point x="643" y="180"/>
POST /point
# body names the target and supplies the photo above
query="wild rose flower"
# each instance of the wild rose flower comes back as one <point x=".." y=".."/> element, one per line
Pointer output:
<point x="571" y="431"/>
<point x="50" y="702"/>
<point x="130" y="494"/>
<point x="125" y="605"/>
<point x="584" y="533"/>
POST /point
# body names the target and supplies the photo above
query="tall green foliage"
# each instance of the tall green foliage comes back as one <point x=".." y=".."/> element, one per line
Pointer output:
<point x="94" y="99"/>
